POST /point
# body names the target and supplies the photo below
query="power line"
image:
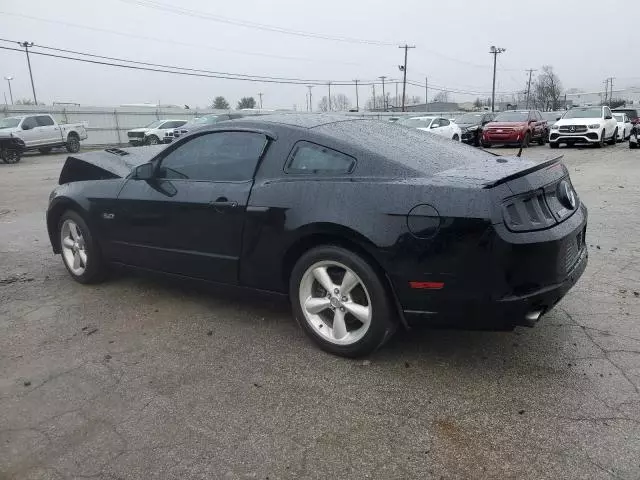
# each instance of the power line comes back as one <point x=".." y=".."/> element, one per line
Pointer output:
<point x="175" y="69"/>
<point x="243" y="23"/>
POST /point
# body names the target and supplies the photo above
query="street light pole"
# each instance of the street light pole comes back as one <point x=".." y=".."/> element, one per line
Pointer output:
<point x="329" y="97"/>
<point x="494" y="51"/>
<point x="403" y="68"/>
<point x="310" y="99"/>
<point x="357" y="101"/>
<point x="8" y="79"/>
<point x="26" y="46"/>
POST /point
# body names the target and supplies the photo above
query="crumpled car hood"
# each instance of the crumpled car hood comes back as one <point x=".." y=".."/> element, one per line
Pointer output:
<point x="104" y="164"/>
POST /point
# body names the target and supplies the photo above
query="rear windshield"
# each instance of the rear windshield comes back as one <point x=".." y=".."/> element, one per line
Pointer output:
<point x="414" y="122"/>
<point x="420" y="151"/>
<point x="619" y="117"/>
<point x="470" y="118"/>
<point x="584" y="113"/>
<point x="206" y="120"/>
<point x="512" y="117"/>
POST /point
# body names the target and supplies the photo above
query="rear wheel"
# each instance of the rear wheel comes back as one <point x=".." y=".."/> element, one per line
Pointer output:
<point x="73" y="143"/>
<point x="614" y="137"/>
<point x="152" y="140"/>
<point x="45" y="150"/>
<point x="81" y="253"/>
<point x="341" y="302"/>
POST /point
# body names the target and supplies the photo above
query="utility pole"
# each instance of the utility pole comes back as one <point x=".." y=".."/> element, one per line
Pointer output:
<point x="606" y="90"/>
<point x="531" y="70"/>
<point x="357" y="101"/>
<point x="403" y="69"/>
<point x="310" y="100"/>
<point x="374" y="96"/>
<point x="384" y="98"/>
<point x="8" y="79"/>
<point x="426" y="94"/>
<point x="26" y="46"/>
<point x="611" y="79"/>
<point x="260" y="95"/>
<point x="329" y="96"/>
<point x="396" y="102"/>
<point x="494" y="51"/>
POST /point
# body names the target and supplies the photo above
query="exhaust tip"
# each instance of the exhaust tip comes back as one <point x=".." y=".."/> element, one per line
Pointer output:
<point x="532" y="317"/>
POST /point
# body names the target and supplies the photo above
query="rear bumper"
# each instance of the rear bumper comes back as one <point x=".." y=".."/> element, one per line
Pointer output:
<point x="515" y="281"/>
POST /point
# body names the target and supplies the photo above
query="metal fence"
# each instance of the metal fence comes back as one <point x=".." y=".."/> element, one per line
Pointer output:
<point x="109" y="125"/>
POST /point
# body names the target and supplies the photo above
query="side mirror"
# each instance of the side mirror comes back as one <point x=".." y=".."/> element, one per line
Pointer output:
<point x="435" y="125"/>
<point x="558" y="118"/>
<point x="26" y="127"/>
<point x="143" y="172"/>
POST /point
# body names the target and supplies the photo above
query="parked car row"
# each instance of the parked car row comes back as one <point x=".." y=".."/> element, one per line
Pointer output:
<point x="37" y="132"/>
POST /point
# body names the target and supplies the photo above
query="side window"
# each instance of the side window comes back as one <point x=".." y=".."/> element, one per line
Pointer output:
<point x="29" y="123"/>
<point x="538" y="116"/>
<point x="310" y="158"/>
<point x="607" y="112"/>
<point x="44" y="120"/>
<point x="172" y="124"/>
<point x="220" y="156"/>
<point x="435" y="123"/>
<point x="444" y="122"/>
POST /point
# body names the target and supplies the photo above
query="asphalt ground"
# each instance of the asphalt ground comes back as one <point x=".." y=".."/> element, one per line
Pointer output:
<point x="142" y="378"/>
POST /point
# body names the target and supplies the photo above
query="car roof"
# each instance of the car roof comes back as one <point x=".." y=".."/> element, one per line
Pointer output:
<point x="300" y="120"/>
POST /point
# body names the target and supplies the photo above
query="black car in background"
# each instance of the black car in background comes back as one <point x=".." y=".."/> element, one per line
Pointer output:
<point x="365" y="225"/>
<point x="471" y="125"/>
<point x="199" y="122"/>
<point x="632" y="113"/>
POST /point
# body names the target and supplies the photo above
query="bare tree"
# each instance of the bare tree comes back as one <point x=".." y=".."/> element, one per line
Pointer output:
<point x="546" y="90"/>
<point x="442" y="96"/>
<point x="477" y="104"/>
<point x="339" y="103"/>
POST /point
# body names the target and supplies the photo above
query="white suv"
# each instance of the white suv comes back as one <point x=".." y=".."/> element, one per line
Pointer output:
<point x="593" y="125"/>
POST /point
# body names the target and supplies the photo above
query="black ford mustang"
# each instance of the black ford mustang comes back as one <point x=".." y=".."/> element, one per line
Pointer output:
<point x="364" y="224"/>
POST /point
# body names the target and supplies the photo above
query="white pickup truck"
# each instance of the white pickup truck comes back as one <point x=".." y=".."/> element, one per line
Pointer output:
<point x="42" y="132"/>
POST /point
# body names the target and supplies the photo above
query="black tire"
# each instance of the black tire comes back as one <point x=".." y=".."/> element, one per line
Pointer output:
<point x="543" y="139"/>
<point x="526" y="140"/>
<point x="614" y="138"/>
<point x="152" y="140"/>
<point x="601" y="142"/>
<point x="11" y="155"/>
<point x="486" y="145"/>
<point x="45" y="150"/>
<point x="73" y="143"/>
<point x="554" y="144"/>
<point x="456" y="138"/>
<point x="383" y="317"/>
<point x="633" y="146"/>
<point x="96" y="268"/>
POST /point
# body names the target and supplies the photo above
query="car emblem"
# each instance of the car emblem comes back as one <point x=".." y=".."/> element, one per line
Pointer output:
<point x="499" y="131"/>
<point x="567" y="195"/>
<point x="572" y="128"/>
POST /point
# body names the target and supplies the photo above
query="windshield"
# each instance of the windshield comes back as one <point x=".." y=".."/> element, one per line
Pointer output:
<point x="512" y="117"/>
<point x="206" y="120"/>
<point x="10" y="122"/>
<point x="595" y="112"/>
<point x="155" y="124"/>
<point x="415" y="122"/>
<point x="470" y="118"/>
<point x="630" y="113"/>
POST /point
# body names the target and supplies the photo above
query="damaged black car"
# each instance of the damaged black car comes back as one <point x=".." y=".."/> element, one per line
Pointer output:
<point x="11" y="148"/>
<point x="365" y="225"/>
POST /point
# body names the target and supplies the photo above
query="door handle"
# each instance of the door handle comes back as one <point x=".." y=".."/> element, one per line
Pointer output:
<point x="223" y="202"/>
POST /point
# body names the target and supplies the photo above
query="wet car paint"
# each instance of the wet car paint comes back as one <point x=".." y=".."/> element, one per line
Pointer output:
<point x="456" y="237"/>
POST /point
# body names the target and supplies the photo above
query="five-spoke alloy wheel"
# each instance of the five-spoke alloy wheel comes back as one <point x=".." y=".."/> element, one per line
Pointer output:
<point x="80" y="253"/>
<point x="341" y="301"/>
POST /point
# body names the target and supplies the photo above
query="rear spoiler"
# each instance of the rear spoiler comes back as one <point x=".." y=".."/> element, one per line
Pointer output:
<point x="540" y="166"/>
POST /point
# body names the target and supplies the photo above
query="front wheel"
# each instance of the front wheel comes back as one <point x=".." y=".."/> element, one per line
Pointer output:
<point x="526" y="140"/>
<point x="554" y="144"/>
<point x="614" y="137"/>
<point x="601" y="143"/>
<point x="152" y="140"/>
<point x="456" y="138"/>
<point x="341" y="302"/>
<point x="543" y="139"/>
<point x="10" y="155"/>
<point x="80" y="251"/>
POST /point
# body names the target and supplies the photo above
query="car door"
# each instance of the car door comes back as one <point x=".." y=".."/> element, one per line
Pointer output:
<point x="29" y="132"/>
<point x="446" y="128"/>
<point x="188" y="218"/>
<point x="49" y="132"/>
<point x="436" y="127"/>
<point x="610" y="123"/>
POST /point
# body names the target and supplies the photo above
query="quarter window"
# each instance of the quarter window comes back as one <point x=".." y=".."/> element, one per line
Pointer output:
<point x="309" y="158"/>
<point x="220" y="156"/>
<point x="443" y="122"/>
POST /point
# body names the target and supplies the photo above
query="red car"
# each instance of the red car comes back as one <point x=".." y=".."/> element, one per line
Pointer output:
<point x="518" y="127"/>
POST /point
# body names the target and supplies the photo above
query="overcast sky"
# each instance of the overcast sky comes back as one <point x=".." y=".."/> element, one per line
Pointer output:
<point x="452" y="40"/>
